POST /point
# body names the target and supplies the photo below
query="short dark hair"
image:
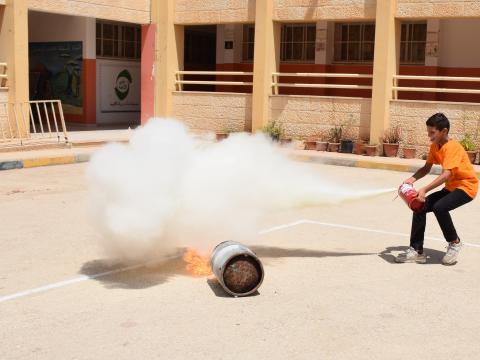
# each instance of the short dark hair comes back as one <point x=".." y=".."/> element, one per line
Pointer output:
<point x="439" y="121"/>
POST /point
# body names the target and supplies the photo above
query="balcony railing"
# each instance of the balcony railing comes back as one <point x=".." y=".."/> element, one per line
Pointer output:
<point x="396" y="88"/>
<point x="180" y="78"/>
<point x="276" y="84"/>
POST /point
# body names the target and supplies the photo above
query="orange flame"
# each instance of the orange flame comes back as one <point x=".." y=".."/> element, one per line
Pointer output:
<point x="196" y="264"/>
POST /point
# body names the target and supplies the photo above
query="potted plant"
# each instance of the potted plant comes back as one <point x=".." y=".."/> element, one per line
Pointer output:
<point x="311" y="143"/>
<point x="285" y="140"/>
<point x="391" y="141"/>
<point x="322" y="144"/>
<point x="469" y="146"/>
<point x="346" y="142"/>
<point x="273" y="130"/>
<point x="346" y="146"/>
<point x="359" y="146"/>
<point x="370" y="149"/>
<point x="298" y="143"/>
<point x="335" y="137"/>
<point x="409" y="152"/>
<point x="221" y="135"/>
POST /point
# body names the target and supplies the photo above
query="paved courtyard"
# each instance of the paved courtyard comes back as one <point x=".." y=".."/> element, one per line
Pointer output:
<point x="331" y="289"/>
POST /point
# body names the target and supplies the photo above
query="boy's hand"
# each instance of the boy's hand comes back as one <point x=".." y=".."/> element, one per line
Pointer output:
<point x="410" y="180"/>
<point x="421" y="195"/>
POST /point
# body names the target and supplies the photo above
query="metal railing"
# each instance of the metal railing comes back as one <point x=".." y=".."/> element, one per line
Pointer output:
<point x="32" y="121"/>
<point x="396" y="88"/>
<point x="179" y="78"/>
<point x="276" y="84"/>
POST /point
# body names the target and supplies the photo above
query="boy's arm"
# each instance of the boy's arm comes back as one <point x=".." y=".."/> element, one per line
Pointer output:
<point x="425" y="170"/>
<point x="435" y="183"/>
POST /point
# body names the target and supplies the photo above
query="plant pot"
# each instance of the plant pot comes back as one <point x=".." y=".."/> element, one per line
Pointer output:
<point x="371" y="150"/>
<point x="390" y="150"/>
<point x="285" y="141"/>
<point x="333" y="147"/>
<point x="472" y="155"/>
<point x="221" y="136"/>
<point x="298" y="144"/>
<point x="346" y="146"/>
<point x="359" y="148"/>
<point x="310" y="145"/>
<point x="322" y="145"/>
<point x="409" y="153"/>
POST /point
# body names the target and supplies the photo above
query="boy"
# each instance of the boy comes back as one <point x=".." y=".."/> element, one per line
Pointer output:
<point x="461" y="186"/>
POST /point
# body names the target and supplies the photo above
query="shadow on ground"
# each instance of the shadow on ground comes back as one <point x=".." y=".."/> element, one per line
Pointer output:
<point x="269" y="252"/>
<point x="141" y="277"/>
<point x="276" y="252"/>
<point x="145" y="276"/>
<point x="433" y="256"/>
<point x="219" y="292"/>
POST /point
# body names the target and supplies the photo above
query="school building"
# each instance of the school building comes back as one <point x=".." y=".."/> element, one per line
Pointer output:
<point x="235" y="65"/>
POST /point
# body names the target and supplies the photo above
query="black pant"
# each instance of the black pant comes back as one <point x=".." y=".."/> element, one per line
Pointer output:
<point x="440" y="203"/>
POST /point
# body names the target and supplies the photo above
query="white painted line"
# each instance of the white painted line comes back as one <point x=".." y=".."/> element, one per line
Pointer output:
<point x="266" y="231"/>
<point x="64" y="283"/>
<point x="281" y="227"/>
<point x="383" y="232"/>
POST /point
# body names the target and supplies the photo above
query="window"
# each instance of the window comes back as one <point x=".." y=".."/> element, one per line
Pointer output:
<point x="354" y="42"/>
<point x="298" y="43"/>
<point x="118" y="40"/>
<point x="248" y="42"/>
<point x="413" y="42"/>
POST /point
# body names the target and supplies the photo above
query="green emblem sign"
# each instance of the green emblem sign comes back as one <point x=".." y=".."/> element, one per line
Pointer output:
<point x="122" y="87"/>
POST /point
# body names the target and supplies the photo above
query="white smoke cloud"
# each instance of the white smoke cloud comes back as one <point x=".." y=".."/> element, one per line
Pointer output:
<point x="166" y="190"/>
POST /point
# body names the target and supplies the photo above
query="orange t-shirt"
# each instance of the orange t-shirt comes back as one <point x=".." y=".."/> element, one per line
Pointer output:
<point x="451" y="156"/>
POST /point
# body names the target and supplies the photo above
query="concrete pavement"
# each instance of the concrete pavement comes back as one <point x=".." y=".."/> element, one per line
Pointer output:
<point x="331" y="289"/>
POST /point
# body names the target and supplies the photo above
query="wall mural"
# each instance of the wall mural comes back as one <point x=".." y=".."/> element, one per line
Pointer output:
<point x="56" y="73"/>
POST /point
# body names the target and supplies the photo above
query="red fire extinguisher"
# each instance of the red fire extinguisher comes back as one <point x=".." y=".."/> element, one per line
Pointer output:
<point x="409" y="195"/>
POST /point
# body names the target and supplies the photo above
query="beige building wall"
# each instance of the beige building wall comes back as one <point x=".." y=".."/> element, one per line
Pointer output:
<point x="63" y="28"/>
<point x="307" y="10"/>
<point x="411" y="116"/>
<point x="213" y="111"/>
<point x="437" y="8"/>
<point x="214" y="11"/>
<point x="229" y="32"/>
<point x="313" y="116"/>
<point x="455" y="53"/>
<point x="3" y="97"/>
<point x="133" y="11"/>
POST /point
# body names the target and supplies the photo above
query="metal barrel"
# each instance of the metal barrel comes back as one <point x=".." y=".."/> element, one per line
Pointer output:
<point x="237" y="268"/>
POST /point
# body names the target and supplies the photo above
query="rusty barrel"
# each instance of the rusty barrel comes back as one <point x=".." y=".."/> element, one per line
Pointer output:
<point x="237" y="268"/>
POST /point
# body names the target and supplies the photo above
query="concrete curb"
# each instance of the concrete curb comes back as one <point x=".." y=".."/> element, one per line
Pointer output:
<point x="44" y="161"/>
<point x="366" y="164"/>
<point x="348" y="162"/>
